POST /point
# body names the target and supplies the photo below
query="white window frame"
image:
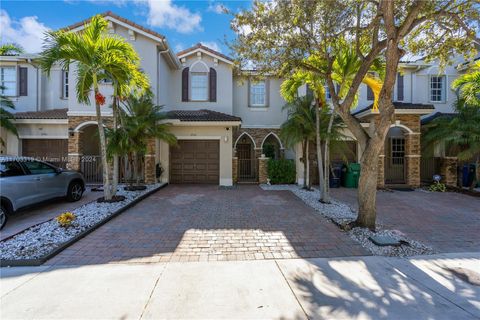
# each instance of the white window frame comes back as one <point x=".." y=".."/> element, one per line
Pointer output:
<point x="14" y="82"/>
<point x="200" y="98"/>
<point x="252" y="93"/>
<point x="65" y="84"/>
<point x="443" y="91"/>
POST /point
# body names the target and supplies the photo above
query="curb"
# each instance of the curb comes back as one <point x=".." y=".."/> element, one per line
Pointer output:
<point x="57" y="250"/>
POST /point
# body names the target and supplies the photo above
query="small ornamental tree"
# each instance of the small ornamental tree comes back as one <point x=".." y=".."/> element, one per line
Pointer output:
<point x="277" y="36"/>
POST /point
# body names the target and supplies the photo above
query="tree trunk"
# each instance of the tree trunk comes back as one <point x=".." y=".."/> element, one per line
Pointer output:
<point x="327" y="157"/>
<point x="107" y="192"/>
<point x="304" y="151"/>
<point x="307" y="161"/>
<point x="321" y="179"/>
<point x="116" y="159"/>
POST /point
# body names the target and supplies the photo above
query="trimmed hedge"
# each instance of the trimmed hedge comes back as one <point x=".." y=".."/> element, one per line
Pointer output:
<point x="281" y="171"/>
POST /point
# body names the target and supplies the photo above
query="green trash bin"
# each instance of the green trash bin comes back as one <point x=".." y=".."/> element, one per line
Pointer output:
<point x="351" y="175"/>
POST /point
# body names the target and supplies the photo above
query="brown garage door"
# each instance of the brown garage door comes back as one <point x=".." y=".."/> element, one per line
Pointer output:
<point x="50" y="150"/>
<point x="195" y="161"/>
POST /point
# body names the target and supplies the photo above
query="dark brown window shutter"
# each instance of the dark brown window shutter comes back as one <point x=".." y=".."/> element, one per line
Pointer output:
<point x="213" y="85"/>
<point x="400" y="95"/>
<point x="22" y="81"/>
<point x="185" y="84"/>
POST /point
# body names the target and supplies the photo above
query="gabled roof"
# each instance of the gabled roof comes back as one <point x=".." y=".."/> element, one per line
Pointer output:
<point x="153" y="35"/>
<point x="414" y="107"/>
<point x="200" y="47"/>
<point x="201" y="115"/>
<point x="110" y="14"/>
<point x="46" y="114"/>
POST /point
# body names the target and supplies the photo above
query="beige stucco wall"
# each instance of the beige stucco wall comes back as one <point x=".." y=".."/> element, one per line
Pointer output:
<point x="198" y="132"/>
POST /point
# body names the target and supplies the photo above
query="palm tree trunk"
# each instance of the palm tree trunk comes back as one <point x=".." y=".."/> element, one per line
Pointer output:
<point x="321" y="178"/>
<point x="304" y="151"/>
<point x="107" y="192"/>
<point x="307" y="167"/>
<point x="116" y="160"/>
<point x="327" y="158"/>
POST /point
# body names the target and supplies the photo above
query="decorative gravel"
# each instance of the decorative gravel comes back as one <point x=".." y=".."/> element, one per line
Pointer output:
<point x="41" y="239"/>
<point x="341" y="214"/>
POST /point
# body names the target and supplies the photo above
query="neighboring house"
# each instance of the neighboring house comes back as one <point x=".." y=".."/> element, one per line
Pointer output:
<point x="224" y="120"/>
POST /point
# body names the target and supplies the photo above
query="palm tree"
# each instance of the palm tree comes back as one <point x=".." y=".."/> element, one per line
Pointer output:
<point x="300" y="128"/>
<point x="461" y="131"/>
<point x="141" y="121"/>
<point x="344" y="68"/>
<point x="10" y="49"/>
<point x="98" y="56"/>
<point x="468" y="86"/>
<point x="5" y="115"/>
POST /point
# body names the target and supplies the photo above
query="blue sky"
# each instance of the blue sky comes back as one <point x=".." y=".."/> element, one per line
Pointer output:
<point x="184" y="23"/>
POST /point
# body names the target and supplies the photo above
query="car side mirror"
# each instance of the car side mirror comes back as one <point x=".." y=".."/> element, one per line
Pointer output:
<point x="58" y="170"/>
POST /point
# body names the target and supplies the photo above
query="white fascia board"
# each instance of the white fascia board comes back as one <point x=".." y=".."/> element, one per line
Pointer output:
<point x="43" y="137"/>
<point x="205" y="52"/>
<point x="41" y="121"/>
<point x="88" y="113"/>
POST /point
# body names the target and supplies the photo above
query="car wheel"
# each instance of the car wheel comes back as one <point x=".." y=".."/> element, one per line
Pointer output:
<point x="3" y="216"/>
<point x="75" y="191"/>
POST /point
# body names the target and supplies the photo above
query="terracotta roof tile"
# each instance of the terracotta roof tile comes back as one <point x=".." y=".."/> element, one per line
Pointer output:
<point x="46" y="114"/>
<point x="200" y="46"/>
<point x="201" y="115"/>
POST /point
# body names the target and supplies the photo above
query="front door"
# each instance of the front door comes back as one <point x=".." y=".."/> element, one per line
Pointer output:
<point x="395" y="161"/>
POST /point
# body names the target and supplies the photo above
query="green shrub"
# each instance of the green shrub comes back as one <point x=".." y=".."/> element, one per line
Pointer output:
<point x="438" y="187"/>
<point x="281" y="171"/>
<point x="269" y="151"/>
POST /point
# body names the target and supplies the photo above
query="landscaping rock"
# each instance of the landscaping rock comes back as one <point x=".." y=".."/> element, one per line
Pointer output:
<point x="341" y="214"/>
<point x="41" y="239"/>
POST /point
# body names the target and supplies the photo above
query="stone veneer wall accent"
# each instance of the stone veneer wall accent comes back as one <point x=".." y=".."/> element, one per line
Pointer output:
<point x="149" y="172"/>
<point x="75" y="142"/>
<point x="235" y="169"/>
<point x="262" y="169"/>
<point x="448" y="171"/>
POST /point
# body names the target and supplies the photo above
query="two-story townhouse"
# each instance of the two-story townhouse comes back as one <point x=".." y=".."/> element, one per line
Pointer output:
<point x="225" y="121"/>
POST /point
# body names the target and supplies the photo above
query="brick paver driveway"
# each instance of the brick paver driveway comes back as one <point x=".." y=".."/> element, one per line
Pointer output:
<point x="449" y="222"/>
<point x="200" y="223"/>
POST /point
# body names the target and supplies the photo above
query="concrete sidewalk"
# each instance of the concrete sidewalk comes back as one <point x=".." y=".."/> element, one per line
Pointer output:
<point x="444" y="286"/>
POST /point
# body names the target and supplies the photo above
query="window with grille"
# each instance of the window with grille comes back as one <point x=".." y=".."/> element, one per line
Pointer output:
<point x="65" y="84"/>
<point x="437" y="88"/>
<point x="199" y="86"/>
<point x="258" y="94"/>
<point x="8" y="81"/>
<point x="397" y="150"/>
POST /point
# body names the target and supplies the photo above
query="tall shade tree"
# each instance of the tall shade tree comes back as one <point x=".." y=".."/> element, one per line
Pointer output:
<point x="98" y="56"/>
<point x="10" y="49"/>
<point x="277" y="36"/>
<point x="6" y="116"/>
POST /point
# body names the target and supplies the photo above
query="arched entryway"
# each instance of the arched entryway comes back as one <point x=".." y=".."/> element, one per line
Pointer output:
<point x="247" y="162"/>
<point x="90" y="159"/>
<point x="395" y="156"/>
<point x="272" y="146"/>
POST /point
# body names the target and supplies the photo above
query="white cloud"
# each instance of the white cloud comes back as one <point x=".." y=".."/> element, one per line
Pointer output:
<point x="28" y="32"/>
<point x="164" y="14"/>
<point x="218" y="8"/>
<point x="179" y="47"/>
<point x="212" y="45"/>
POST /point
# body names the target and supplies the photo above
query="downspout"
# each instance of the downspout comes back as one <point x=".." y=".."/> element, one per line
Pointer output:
<point x="160" y="52"/>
